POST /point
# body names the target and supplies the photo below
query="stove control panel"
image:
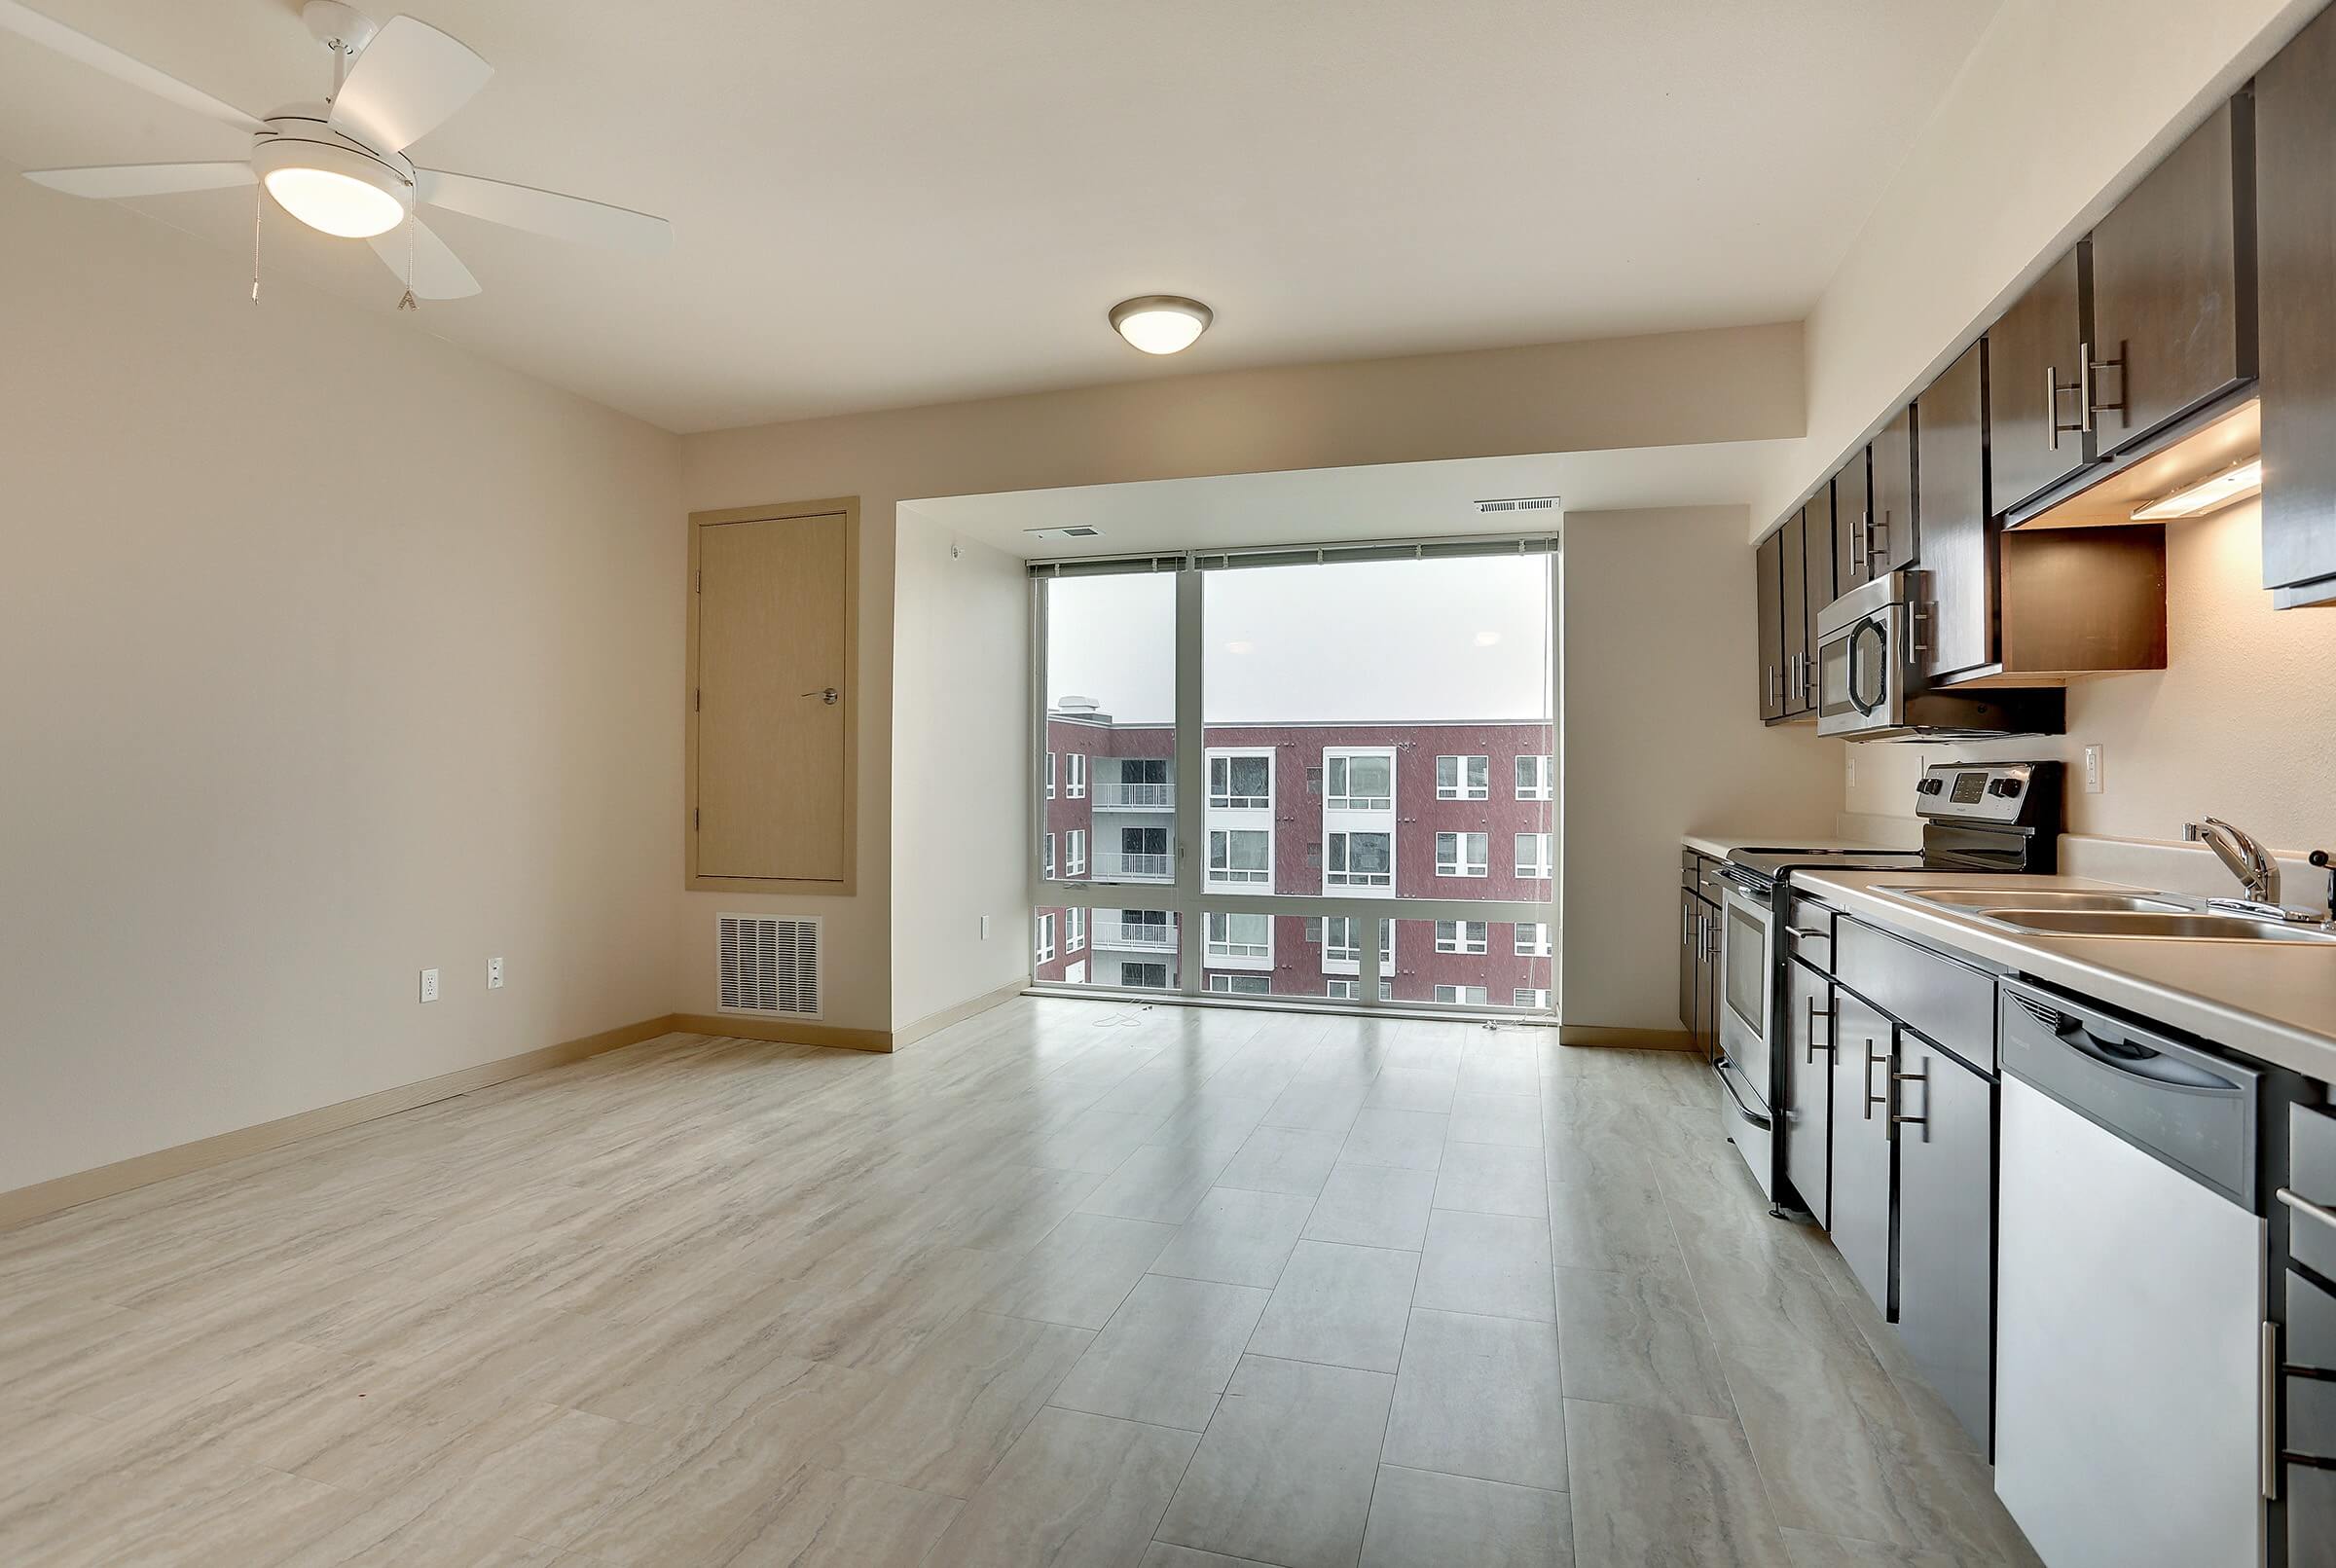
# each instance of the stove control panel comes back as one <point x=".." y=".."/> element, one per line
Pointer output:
<point x="2005" y="794"/>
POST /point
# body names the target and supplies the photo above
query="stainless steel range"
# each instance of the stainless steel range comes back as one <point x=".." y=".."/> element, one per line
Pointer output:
<point x="1977" y="816"/>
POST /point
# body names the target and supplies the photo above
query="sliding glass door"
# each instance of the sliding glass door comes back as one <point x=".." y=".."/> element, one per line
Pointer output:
<point x="1370" y="735"/>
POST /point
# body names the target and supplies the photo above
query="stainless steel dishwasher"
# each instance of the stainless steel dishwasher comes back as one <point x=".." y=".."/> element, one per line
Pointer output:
<point x="2131" y="1292"/>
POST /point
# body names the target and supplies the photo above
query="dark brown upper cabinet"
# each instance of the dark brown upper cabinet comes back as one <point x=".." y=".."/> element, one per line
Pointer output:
<point x="1816" y="557"/>
<point x="1767" y="598"/>
<point x="1892" y="519"/>
<point x="1958" y="598"/>
<point x="2295" y="125"/>
<point x="2174" y="280"/>
<point x="2036" y="426"/>
<point x="1850" y="495"/>
<point x="1796" y="645"/>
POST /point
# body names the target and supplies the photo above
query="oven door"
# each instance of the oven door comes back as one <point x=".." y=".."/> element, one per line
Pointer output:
<point x="1747" y="990"/>
<point x="1748" y="980"/>
<point x="1859" y="684"/>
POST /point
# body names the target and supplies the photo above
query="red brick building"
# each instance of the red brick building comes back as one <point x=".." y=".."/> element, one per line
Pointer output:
<point x="1385" y="812"/>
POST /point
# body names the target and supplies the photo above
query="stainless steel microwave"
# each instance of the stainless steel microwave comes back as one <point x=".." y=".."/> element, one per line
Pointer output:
<point x="1869" y="684"/>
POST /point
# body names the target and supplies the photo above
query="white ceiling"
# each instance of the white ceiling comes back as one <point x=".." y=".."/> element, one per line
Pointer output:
<point x="1327" y="505"/>
<point x="885" y="203"/>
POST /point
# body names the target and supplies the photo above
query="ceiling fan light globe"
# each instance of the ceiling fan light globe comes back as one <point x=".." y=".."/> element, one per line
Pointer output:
<point x="332" y="187"/>
<point x="1160" y="323"/>
<point x="335" y="204"/>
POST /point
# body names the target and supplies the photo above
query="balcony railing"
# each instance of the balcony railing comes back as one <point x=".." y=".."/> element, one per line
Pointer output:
<point x="1122" y="933"/>
<point x="1133" y="865"/>
<point x="1134" y="796"/>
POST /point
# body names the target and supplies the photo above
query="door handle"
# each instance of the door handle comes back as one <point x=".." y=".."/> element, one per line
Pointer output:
<point x="2267" y="1407"/>
<point x="826" y="694"/>
<point x="2054" y="391"/>
<point x="2297" y="1203"/>
<point x="1776" y="687"/>
<point x="1866" y="1077"/>
<point x="1816" y="1012"/>
<point x="1898" y="1120"/>
<point x="2084" y="369"/>
<point x="1861" y="541"/>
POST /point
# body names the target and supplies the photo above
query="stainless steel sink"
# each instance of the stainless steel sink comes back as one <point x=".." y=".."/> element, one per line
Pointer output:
<point x="2160" y="927"/>
<point x="1995" y="900"/>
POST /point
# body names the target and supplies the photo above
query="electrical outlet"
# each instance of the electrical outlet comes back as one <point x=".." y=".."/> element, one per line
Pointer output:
<point x="494" y="974"/>
<point x="429" y="985"/>
<point x="2092" y="784"/>
<point x="985" y="927"/>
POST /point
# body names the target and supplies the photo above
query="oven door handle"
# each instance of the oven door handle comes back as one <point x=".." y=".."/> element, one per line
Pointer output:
<point x="1727" y="1065"/>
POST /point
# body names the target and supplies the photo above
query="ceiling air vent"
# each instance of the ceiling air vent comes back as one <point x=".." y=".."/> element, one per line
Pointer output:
<point x="1518" y="503"/>
<point x="1077" y="531"/>
<point x="770" y="965"/>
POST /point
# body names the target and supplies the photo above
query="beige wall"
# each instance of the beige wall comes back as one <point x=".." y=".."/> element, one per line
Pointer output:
<point x="2064" y="105"/>
<point x="327" y="653"/>
<point x="2240" y="723"/>
<point x="961" y="781"/>
<point x="1738" y="384"/>
<point x="1662" y="735"/>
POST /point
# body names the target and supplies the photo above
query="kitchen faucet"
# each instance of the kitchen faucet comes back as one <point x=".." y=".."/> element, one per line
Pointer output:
<point x="2257" y="871"/>
<point x="2247" y="860"/>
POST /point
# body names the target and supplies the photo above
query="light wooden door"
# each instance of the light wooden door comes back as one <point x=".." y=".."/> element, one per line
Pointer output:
<point x="773" y="699"/>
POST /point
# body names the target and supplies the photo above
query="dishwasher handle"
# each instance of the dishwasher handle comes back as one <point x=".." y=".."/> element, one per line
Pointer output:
<point x="2126" y="1055"/>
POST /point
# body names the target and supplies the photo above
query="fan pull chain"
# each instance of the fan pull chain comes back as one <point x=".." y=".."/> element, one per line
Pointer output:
<point x="409" y="303"/>
<point x="259" y="204"/>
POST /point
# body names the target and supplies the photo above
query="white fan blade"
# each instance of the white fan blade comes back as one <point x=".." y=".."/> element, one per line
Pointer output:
<point x="80" y="45"/>
<point x="438" y="272"/>
<point x="119" y="180"/>
<point x="408" y="80"/>
<point x="544" y="212"/>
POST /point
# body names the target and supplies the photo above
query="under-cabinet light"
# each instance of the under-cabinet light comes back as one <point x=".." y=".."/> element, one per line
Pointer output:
<point x="2208" y="494"/>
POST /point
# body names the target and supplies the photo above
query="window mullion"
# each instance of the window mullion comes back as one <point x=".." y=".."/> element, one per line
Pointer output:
<point x="1192" y="848"/>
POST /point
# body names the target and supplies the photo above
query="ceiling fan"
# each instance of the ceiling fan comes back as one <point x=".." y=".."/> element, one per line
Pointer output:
<point x="339" y="166"/>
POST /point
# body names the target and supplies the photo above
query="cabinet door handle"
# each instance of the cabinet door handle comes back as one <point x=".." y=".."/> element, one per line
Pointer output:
<point x="2266" y="1405"/>
<point x="1816" y="1012"/>
<point x="2054" y="391"/>
<point x="1897" y="1120"/>
<point x="1882" y="528"/>
<point x="1866" y="1075"/>
<point x="1776" y="687"/>
<point x="2092" y="406"/>
<point x="2299" y="1204"/>
<point x="1859" y="541"/>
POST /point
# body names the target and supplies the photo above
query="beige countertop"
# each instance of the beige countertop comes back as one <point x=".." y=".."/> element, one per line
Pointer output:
<point x="2271" y="1001"/>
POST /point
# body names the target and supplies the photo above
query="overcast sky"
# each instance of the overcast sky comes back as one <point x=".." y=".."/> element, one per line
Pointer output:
<point x="1403" y="639"/>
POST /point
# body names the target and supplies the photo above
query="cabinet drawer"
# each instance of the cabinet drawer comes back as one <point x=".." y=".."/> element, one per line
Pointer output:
<point x="2310" y="1356"/>
<point x="1952" y="1002"/>
<point x="1809" y="935"/>
<point x="2312" y="1174"/>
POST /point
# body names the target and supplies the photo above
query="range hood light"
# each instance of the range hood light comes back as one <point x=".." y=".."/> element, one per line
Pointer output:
<point x="2208" y="494"/>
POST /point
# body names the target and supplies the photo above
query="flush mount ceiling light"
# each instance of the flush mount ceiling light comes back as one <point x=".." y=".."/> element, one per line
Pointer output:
<point x="2208" y="494"/>
<point x="1161" y="323"/>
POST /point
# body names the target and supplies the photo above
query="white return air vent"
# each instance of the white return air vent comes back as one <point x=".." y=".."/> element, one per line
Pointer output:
<point x="770" y="965"/>
<point x="1517" y="503"/>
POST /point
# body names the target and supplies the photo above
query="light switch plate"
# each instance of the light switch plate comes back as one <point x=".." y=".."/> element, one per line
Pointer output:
<point x="429" y="985"/>
<point x="494" y="974"/>
<point x="2093" y="781"/>
<point x="985" y="927"/>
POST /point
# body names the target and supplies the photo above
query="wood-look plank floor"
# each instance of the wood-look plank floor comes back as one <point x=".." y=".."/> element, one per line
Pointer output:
<point x="1072" y="1283"/>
